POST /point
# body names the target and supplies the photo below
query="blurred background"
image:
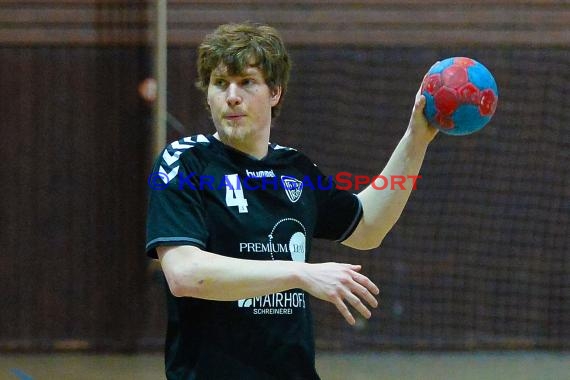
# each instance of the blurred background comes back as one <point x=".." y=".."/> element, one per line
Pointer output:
<point x="475" y="274"/>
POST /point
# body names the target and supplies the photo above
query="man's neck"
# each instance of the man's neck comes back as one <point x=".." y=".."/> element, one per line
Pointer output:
<point x="257" y="150"/>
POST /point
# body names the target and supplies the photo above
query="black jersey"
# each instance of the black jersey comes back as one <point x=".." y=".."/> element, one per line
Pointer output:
<point x="209" y="195"/>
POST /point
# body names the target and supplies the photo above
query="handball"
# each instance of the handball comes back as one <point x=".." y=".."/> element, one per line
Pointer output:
<point x="461" y="96"/>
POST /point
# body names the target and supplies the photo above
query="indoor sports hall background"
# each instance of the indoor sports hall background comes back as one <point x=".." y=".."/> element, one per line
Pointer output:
<point x="476" y="269"/>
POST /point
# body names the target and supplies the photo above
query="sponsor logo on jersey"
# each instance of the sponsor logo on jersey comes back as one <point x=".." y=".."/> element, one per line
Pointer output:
<point x="295" y="247"/>
<point x="275" y="303"/>
<point x="262" y="247"/>
<point x="293" y="187"/>
<point x="285" y="241"/>
<point x="259" y="174"/>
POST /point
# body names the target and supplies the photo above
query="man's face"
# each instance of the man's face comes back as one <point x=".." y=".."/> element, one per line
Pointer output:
<point x="241" y="105"/>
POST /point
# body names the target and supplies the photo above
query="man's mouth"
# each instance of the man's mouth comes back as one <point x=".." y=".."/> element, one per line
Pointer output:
<point x="234" y="116"/>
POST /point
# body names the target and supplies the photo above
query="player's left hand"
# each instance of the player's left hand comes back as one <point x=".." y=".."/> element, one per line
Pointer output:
<point x="418" y="126"/>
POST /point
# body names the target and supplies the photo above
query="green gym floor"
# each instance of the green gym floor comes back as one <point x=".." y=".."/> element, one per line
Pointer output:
<point x="504" y="365"/>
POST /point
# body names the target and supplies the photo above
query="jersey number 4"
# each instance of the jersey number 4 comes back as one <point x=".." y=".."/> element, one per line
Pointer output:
<point x="234" y="193"/>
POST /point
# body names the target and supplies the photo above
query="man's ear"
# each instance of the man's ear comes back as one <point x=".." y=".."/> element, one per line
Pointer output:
<point x="275" y="95"/>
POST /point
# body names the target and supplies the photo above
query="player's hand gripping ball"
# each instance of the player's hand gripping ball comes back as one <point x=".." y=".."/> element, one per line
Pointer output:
<point x="461" y="96"/>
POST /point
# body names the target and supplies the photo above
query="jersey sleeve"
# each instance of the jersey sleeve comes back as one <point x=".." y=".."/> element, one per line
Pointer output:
<point x="175" y="210"/>
<point x="338" y="211"/>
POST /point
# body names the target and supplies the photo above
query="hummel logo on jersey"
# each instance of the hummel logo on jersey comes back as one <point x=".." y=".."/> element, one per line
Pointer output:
<point x="260" y="174"/>
<point x="293" y="188"/>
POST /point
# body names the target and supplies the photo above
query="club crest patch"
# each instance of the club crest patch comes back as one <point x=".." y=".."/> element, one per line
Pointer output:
<point x="293" y="188"/>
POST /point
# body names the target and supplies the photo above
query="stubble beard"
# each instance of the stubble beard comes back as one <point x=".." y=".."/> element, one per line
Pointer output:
<point x="233" y="132"/>
<point x="240" y="137"/>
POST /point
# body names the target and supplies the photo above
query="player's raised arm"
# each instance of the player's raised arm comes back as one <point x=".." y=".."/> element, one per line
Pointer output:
<point x="382" y="208"/>
<point x="192" y="272"/>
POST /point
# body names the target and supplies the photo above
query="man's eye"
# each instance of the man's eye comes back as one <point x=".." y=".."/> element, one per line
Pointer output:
<point x="247" y="82"/>
<point x="219" y="82"/>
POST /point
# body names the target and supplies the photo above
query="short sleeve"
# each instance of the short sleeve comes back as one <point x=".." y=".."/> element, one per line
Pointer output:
<point x="175" y="210"/>
<point x="338" y="211"/>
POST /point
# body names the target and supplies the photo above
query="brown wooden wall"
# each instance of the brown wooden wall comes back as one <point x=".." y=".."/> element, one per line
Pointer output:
<point x="74" y="139"/>
<point x="385" y="22"/>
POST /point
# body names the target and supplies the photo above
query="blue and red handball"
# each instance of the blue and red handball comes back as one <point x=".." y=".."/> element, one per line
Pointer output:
<point x="461" y="96"/>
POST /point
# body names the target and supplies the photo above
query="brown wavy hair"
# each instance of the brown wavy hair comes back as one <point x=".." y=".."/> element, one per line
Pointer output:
<point x="239" y="46"/>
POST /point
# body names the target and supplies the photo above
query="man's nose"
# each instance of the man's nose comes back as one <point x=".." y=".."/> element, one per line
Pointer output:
<point x="233" y="96"/>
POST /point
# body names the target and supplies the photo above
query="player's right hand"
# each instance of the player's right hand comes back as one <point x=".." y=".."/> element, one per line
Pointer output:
<point x="341" y="283"/>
